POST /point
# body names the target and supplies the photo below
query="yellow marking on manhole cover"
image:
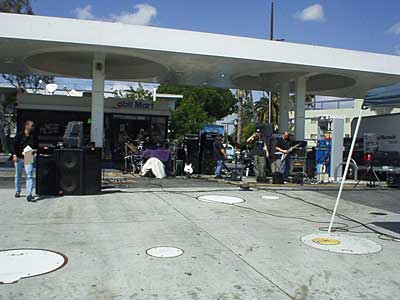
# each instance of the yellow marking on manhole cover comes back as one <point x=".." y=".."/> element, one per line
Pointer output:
<point x="326" y="241"/>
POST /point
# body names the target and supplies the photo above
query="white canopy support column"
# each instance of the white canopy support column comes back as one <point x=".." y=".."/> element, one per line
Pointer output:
<point x="300" y="91"/>
<point x="98" y="73"/>
<point x="284" y="107"/>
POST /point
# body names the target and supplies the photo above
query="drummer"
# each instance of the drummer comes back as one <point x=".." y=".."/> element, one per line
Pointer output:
<point x="140" y="136"/>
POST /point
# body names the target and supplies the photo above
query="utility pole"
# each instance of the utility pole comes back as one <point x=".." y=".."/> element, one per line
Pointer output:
<point x="271" y="35"/>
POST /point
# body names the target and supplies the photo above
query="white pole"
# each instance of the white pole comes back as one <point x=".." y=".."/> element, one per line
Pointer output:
<point x="98" y="73"/>
<point x="300" y="89"/>
<point x="284" y="107"/>
<point x="154" y="94"/>
<point x="353" y="143"/>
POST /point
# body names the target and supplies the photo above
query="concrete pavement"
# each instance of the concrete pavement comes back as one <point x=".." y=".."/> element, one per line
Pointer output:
<point x="248" y="251"/>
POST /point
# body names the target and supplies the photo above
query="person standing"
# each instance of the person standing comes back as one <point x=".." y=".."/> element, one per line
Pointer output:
<point x="283" y="147"/>
<point x="23" y="139"/>
<point x="260" y="154"/>
<point x="219" y="155"/>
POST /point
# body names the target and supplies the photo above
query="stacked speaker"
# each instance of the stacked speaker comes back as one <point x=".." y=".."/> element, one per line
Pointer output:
<point x="191" y="142"/>
<point x="46" y="173"/>
<point x="207" y="161"/>
<point x="69" y="171"/>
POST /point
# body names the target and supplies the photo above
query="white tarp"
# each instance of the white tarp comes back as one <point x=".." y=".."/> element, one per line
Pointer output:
<point x="155" y="166"/>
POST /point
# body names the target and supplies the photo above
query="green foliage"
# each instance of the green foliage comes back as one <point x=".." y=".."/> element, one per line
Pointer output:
<point x="216" y="102"/>
<point x="16" y="7"/>
<point x="135" y="94"/>
<point x="263" y="109"/>
<point x="24" y="82"/>
<point x="248" y="130"/>
<point x="188" y="117"/>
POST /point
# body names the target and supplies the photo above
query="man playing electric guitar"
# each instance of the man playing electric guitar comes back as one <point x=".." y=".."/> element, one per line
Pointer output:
<point x="283" y="146"/>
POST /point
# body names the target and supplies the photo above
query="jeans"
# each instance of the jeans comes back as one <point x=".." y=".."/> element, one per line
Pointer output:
<point x="284" y="168"/>
<point x="19" y="166"/>
<point x="260" y="165"/>
<point x="218" y="169"/>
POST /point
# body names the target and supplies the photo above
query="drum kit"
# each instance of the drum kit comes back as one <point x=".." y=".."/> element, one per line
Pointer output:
<point x="133" y="159"/>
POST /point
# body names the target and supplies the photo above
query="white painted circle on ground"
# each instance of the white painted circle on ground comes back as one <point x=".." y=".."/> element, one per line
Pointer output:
<point x="164" y="252"/>
<point x="16" y="264"/>
<point x="270" y="197"/>
<point x="341" y="243"/>
<point x="220" y="199"/>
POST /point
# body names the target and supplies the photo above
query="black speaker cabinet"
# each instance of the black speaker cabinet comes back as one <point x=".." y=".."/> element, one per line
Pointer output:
<point x="47" y="178"/>
<point x="267" y="129"/>
<point x="71" y="170"/>
<point x="92" y="171"/>
<point x="277" y="178"/>
<point x="192" y="146"/>
<point x="208" y="166"/>
<point x="79" y="171"/>
<point x="207" y="162"/>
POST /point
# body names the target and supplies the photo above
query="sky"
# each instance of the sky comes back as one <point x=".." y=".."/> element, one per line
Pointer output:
<point x="351" y="24"/>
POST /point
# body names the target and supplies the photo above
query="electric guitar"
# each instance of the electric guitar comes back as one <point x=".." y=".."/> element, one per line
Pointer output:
<point x="285" y="155"/>
<point x="188" y="169"/>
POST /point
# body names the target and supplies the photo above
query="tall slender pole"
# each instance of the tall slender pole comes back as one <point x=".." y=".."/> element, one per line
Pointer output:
<point x="270" y="108"/>
<point x="271" y="35"/>
<point x="353" y="143"/>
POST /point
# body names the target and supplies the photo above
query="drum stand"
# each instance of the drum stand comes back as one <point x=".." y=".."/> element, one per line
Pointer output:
<point x="235" y="174"/>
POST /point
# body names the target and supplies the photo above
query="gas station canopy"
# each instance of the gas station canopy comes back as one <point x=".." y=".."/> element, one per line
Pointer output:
<point x="66" y="47"/>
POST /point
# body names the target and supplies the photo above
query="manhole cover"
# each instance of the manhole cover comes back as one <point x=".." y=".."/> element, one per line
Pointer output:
<point x="16" y="264"/>
<point x="341" y="243"/>
<point x="270" y="197"/>
<point x="164" y="252"/>
<point x="221" y="199"/>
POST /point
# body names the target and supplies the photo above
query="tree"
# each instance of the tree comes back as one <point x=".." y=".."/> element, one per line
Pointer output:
<point x="16" y="7"/>
<point x="246" y="115"/>
<point x="216" y="102"/>
<point x="262" y="109"/>
<point x="188" y="117"/>
<point x="134" y="94"/>
<point x="23" y="83"/>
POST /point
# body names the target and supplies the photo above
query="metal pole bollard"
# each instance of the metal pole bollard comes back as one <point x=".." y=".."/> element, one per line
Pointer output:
<point x="353" y="164"/>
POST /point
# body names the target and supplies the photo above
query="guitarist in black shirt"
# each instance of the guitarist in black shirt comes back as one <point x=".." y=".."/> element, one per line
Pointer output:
<point x="283" y="146"/>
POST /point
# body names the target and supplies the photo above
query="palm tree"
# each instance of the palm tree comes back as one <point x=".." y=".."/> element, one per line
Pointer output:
<point x="262" y="108"/>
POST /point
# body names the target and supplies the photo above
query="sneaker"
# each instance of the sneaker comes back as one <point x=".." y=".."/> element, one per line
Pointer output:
<point x="29" y="198"/>
<point x="17" y="195"/>
<point x="219" y="177"/>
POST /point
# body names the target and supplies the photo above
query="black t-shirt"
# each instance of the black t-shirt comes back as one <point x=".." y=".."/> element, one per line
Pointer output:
<point x="217" y="147"/>
<point x="22" y="140"/>
<point x="259" y="147"/>
<point x="283" y="144"/>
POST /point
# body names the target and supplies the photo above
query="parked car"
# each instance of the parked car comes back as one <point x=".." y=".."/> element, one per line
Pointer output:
<point x="230" y="152"/>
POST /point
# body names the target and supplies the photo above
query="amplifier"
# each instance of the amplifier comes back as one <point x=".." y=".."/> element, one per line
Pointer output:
<point x="393" y="179"/>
